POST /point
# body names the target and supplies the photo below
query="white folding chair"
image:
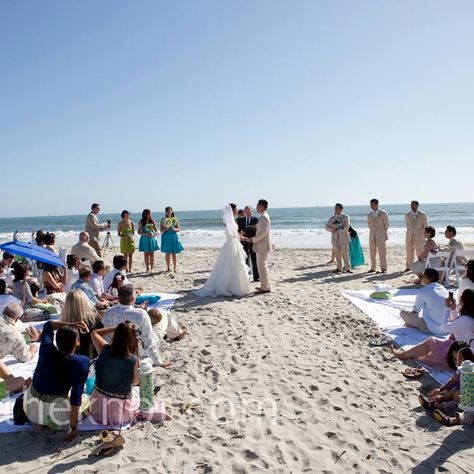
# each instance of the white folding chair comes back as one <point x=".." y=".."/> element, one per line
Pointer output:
<point x="457" y="264"/>
<point x="439" y="261"/>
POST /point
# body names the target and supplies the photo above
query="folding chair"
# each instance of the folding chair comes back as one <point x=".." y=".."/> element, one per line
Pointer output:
<point x="457" y="264"/>
<point x="439" y="261"/>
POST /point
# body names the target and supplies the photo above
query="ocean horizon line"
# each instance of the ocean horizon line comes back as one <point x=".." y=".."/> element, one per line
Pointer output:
<point x="316" y="206"/>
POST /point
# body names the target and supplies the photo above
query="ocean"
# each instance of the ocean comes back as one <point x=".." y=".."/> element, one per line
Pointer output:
<point x="299" y="227"/>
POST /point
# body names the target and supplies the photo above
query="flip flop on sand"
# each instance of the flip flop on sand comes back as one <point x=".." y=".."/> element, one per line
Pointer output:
<point x="383" y="341"/>
<point x="446" y="420"/>
<point x="413" y="372"/>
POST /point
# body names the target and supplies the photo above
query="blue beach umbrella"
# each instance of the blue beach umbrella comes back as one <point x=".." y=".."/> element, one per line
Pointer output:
<point x="33" y="252"/>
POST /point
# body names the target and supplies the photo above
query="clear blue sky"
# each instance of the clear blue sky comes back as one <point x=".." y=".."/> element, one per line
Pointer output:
<point x="144" y="103"/>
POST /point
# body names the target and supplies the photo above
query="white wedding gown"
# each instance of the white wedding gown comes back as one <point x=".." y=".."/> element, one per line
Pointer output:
<point x="230" y="273"/>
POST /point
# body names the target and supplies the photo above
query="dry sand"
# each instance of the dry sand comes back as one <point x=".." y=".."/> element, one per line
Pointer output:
<point x="283" y="382"/>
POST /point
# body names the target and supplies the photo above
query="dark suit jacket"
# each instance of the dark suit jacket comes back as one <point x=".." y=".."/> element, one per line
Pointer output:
<point x="242" y="222"/>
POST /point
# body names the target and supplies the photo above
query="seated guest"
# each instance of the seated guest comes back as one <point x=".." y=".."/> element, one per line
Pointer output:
<point x="454" y="244"/>
<point x="114" y="399"/>
<point x="12" y="340"/>
<point x="430" y="300"/>
<point x="12" y="383"/>
<point x="430" y="246"/>
<point x="444" y="397"/>
<point x="460" y="325"/>
<point x="21" y="289"/>
<point x="38" y="237"/>
<point x="52" y="279"/>
<point x="120" y="265"/>
<point x="97" y="283"/>
<point x="117" y="282"/>
<point x="125" y="311"/>
<point x="78" y="308"/>
<point x="82" y="283"/>
<point x="7" y="262"/>
<point x="468" y="281"/>
<point x="73" y="264"/>
<point x="55" y="396"/>
<point x="165" y="326"/>
<point x="6" y="298"/>
<point x="50" y="242"/>
<point x="83" y="250"/>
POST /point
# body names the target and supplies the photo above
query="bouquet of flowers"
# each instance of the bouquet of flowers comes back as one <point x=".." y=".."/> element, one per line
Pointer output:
<point x="169" y="222"/>
<point x="150" y="228"/>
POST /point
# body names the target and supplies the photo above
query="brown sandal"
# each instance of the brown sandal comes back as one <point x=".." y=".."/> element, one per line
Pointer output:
<point x="413" y="372"/>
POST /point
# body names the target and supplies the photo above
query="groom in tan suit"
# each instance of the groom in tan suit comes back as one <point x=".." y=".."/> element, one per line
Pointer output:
<point x="338" y="225"/>
<point x="262" y="245"/>
<point x="377" y="221"/>
<point x="415" y="222"/>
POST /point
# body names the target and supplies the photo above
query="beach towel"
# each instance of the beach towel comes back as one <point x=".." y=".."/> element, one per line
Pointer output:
<point x="386" y="314"/>
<point x="25" y="370"/>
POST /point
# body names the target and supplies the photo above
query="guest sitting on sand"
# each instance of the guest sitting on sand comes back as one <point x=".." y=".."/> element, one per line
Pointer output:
<point x="59" y="374"/>
<point x="165" y="326"/>
<point x="5" y="297"/>
<point x="53" y="279"/>
<point x="430" y="246"/>
<point x="430" y="300"/>
<point x="467" y="283"/>
<point x="97" y="283"/>
<point x="445" y="397"/>
<point x="12" y="341"/>
<point x="460" y="325"/>
<point x="117" y="282"/>
<point x="119" y="264"/>
<point x="82" y="283"/>
<point x="73" y="264"/>
<point x="21" y="289"/>
<point x="125" y="311"/>
<point x="12" y="384"/>
<point x="7" y="262"/>
<point x="78" y="308"/>
<point x="83" y="250"/>
<point x="50" y="242"/>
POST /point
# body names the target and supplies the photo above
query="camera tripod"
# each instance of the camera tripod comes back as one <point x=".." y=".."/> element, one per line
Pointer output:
<point x="108" y="242"/>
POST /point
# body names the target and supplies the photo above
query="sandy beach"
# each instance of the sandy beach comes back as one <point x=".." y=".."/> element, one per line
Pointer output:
<point x="284" y="382"/>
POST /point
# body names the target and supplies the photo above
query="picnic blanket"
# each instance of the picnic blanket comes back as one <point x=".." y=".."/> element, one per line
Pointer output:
<point x="26" y="370"/>
<point x="386" y="314"/>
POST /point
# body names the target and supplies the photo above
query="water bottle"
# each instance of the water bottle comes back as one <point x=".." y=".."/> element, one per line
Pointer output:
<point x="147" y="394"/>
<point x="466" y="369"/>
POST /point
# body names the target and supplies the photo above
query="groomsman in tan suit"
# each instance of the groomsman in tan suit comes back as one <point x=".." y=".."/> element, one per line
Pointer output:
<point x="262" y="245"/>
<point x="338" y="225"/>
<point x="377" y="221"/>
<point x="415" y="222"/>
<point x="93" y="228"/>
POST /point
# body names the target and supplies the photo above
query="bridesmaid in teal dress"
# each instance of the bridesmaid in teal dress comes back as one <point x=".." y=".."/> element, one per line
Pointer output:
<point x="355" y="250"/>
<point x="147" y="230"/>
<point x="170" y="243"/>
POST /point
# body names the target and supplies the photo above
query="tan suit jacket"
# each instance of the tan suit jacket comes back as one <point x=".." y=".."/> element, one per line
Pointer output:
<point x="84" y="251"/>
<point x="378" y="225"/>
<point x="93" y="227"/>
<point x="341" y="236"/>
<point x="415" y="226"/>
<point x="261" y="241"/>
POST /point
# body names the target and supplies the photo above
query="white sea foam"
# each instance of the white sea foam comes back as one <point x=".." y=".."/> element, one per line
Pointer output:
<point x="283" y="238"/>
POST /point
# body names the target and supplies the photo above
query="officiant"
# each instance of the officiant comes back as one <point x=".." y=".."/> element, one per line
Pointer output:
<point x="247" y="227"/>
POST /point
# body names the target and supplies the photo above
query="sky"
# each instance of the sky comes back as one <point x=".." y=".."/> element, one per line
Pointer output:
<point x="148" y="103"/>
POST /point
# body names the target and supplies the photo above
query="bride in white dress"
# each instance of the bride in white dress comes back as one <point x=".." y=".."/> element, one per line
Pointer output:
<point x="230" y="273"/>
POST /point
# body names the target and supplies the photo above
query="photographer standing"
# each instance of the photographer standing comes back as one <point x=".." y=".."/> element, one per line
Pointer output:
<point x="93" y="228"/>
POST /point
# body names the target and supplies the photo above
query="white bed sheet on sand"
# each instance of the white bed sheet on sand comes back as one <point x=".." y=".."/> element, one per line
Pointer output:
<point x="386" y="314"/>
<point x="26" y="370"/>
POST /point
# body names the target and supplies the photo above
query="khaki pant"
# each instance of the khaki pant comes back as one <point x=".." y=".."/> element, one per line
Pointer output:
<point x="413" y="320"/>
<point x="378" y="244"/>
<point x="263" y="270"/>
<point x="95" y="245"/>
<point x="341" y="252"/>
<point x="414" y="242"/>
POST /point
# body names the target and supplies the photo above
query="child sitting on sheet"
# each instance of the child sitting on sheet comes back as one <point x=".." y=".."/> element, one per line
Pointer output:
<point x="165" y="326"/>
<point x="446" y="397"/>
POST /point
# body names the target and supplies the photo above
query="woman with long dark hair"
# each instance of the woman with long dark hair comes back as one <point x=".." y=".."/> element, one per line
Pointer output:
<point x="55" y="395"/>
<point x="468" y="281"/>
<point x="126" y="230"/>
<point x="148" y="244"/>
<point x="170" y="243"/>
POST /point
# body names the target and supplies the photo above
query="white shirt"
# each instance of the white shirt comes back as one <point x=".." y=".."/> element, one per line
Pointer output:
<point x="466" y="284"/>
<point x="7" y="299"/>
<point x="430" y="300"/>
<point x="120" y="313"/>
<point x="72" y="274"/>
<point x="97" y="285"/>
<point x="461" y="327"/>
